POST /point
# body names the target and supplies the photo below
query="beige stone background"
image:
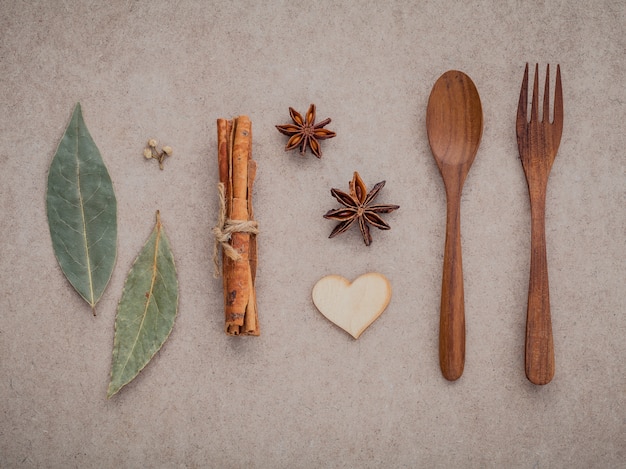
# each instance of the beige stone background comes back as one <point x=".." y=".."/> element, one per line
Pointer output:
<point x="305" y="394"/>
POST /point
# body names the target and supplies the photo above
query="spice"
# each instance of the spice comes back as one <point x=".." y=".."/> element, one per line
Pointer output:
<point x="151" y="151"/>
<point x="236" y="229"/>
<point x="358" y="207"/>
<point x="305" y="132"/>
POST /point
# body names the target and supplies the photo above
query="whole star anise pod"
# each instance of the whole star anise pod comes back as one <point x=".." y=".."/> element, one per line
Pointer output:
<point x="305" y="131"/>
<point x="358" y="206"/>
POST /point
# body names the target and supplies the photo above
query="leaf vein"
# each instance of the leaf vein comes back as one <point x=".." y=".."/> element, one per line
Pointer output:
<point x="68" y="180"/>
<point x="150" y="296"/>
<point x="70" y="255"/>
<point x="106" y="228"/>
<point x="96" y="190"/>
<point x="62" y="220"/>
<point x="92" y="299"/>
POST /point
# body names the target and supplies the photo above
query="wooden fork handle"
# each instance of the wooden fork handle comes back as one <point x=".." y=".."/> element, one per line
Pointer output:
<point x="539" y="342"/>
<point x="452" y="313"/>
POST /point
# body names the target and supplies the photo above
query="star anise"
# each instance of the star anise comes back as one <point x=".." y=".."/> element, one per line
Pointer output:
<point x="358" y="206"/>
<point x="305" y="131"/>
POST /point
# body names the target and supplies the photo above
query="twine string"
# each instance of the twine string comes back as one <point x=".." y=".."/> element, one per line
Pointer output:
<point x="225" y="228"/>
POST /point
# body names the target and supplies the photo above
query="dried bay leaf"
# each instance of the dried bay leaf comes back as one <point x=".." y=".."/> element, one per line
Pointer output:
<point x="147" y="309"/>
<point x="82" y="212"/>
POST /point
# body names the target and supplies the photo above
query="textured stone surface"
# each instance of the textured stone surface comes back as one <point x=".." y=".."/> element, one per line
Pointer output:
<point x="167" y="70"/>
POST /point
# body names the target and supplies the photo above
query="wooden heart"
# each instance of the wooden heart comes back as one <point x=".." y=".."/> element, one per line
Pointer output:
<point x="352" y="306"/>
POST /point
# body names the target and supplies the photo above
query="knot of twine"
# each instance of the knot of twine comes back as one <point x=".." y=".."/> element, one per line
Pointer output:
<point x="225" y="228"/>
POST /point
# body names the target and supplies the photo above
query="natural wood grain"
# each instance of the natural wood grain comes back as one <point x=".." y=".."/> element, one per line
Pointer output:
<point x="454" y="121"/>
<point x="538" y="142"/>
<point x="352" y="306"/>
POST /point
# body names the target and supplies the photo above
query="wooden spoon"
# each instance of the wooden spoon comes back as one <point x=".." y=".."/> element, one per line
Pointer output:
<point x="454" y="121"/>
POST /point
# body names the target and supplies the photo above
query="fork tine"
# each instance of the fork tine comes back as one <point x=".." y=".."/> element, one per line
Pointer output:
<point x="534" y="112"/>
<point x="558" y="100"/>
<point x="546" y="97"/>
<point x="522" y="106"/>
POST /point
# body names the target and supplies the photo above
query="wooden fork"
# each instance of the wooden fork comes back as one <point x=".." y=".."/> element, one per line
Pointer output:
<point x="538" y="142"/>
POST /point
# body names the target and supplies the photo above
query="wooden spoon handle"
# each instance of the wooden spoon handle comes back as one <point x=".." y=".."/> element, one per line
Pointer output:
<point x="539" y="341"/>
<point x="452" y="314"/>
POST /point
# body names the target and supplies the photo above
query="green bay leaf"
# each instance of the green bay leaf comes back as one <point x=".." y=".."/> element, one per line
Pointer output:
<point x="82" y="212"/>
<point x="147" y="309"/>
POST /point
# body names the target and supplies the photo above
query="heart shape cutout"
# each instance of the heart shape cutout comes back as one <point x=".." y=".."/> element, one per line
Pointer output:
<point x="352" y="306"/>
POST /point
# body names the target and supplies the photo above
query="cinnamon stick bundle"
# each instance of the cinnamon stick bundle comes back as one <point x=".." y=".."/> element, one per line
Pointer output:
<point x="236" y="231"/>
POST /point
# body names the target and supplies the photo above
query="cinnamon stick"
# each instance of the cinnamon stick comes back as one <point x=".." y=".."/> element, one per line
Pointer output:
<point x="237" y="171"/>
